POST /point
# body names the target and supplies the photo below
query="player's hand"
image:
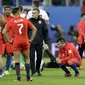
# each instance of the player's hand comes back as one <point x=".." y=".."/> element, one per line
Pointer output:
<point x="45" y="46"/>
<point x="30" y="41"/>
<point x="10" y="41"/>
<point x="58" y="60"/>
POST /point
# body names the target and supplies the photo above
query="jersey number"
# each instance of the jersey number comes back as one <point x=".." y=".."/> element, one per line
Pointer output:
<point x="20" y="28"/>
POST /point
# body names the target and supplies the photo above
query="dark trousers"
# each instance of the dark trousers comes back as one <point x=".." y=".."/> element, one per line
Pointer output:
<point x="38" y="49"/>
<point x="81" y="49"/>
<point x="52" y="57"/>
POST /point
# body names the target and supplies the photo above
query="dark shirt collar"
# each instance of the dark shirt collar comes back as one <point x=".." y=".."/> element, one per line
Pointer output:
<point x="36" y="19"/>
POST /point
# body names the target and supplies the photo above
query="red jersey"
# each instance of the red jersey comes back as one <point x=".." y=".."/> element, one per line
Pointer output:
<point x="8" y="18"/>
<point x="10" y="34"/>
<point x="1" y="38"/>
<point x="19" y="27"/>
<point x="81" y="32"/>
<point x="82" y="9"/>
<point x="68" y="52"/>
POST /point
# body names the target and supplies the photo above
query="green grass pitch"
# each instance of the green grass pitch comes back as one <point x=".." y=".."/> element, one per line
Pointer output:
<point x="50" y="76"/>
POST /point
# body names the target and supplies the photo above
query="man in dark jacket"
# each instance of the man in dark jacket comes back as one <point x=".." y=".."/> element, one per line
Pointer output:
<point x="37" y="43"/>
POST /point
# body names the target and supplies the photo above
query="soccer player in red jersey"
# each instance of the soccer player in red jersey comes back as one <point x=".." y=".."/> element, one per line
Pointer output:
<point x="20" y="26"/>
<point x="2" y="45"/>
<point x="81" y="35"/>
<point x="68" y="56"/>
<point x="8" y="47"/>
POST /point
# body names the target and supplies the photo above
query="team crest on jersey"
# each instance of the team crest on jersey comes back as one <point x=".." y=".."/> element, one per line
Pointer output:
<point x="39" y="22"/>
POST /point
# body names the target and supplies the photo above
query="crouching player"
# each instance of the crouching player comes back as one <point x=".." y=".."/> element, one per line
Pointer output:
<point x="68" y="56"/>
<point x="20" y="26"/>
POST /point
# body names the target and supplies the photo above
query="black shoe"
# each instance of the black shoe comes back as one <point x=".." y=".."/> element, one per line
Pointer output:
<point x="39" y="74"/>
<point x="33" y="74"/>
<point x="19" y="79"/>
<point x="77" y="75"/>
<point x="29" y="79"/>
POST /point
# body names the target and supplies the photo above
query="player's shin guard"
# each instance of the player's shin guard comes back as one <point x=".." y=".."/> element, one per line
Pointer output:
<point x="64" y="69"/>
<point x="74" y="67"/>
<point x="17" y="68"/>
<point x="8" y="62"/>
<point x="27" y="66"/>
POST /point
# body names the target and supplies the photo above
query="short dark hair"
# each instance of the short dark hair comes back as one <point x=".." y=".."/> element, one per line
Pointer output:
<point x="15" y="10"/>
<point x="36" y="9"/>
<point x="83" y="14"/>
<point x="61" y="39"/>
<point x="20" y="8"/>
<point x="36" y="3"/>
<point x="7" y="6"/>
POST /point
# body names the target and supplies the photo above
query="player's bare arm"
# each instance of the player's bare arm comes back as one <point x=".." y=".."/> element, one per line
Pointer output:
<point x="5" y="34"/>
<point x="34" y="30"/>
<point x="2" y="21"/>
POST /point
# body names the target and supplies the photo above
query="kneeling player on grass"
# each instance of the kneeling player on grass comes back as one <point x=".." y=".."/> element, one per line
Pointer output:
<point x="68" y="56"/>
<point x="19" y="26"/>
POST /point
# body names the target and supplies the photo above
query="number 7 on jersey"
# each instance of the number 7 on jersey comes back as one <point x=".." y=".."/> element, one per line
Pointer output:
<point x="20" y="28"/>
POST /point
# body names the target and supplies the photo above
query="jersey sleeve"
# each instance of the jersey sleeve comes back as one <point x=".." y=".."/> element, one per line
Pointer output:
<point x="30" y="24"/>
<point x="81" y="32"/>
<point x="60" y="54"/>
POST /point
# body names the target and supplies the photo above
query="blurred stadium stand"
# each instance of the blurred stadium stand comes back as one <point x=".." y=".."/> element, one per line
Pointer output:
<point x="66" y="13"/>
<point x="17" y="2"/>
<point x="63" y="15"/>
